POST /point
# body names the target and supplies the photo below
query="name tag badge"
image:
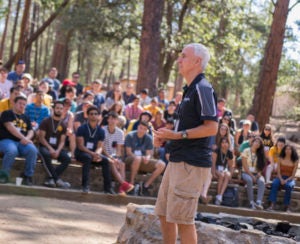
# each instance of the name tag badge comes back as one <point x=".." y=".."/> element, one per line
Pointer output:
<point x="138" y="153"/>
<point x="53" y="140"/>
<point x="90" y="145"/>
<point x="252" y="169"/>
<point x="18" y="128"/>
<point x="220" y="168"/>
<point x="266" y="148"/>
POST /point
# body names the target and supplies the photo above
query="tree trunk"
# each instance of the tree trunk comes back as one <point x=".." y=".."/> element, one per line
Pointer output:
<point x="61" y="52"/>
<point x="13" y="36"/>
<point x="5" y="29"/>
<point x="265" y="90"/>
<point x="33" y="26"/>
<point x="23" y="32"/>
<point x="47" y="48"/>
<point x="150" y="45"/>
<point x="169" y="57"/>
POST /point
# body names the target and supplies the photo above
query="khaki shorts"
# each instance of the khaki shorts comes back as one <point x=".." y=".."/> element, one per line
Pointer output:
<point x="147" y="168"/>
<point x="179" y="192"/>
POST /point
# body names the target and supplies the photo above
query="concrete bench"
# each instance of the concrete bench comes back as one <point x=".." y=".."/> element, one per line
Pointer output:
<point x="73" y="175"/>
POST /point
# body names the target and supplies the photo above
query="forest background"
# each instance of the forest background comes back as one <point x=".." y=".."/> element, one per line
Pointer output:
<point x="253" y="49"/>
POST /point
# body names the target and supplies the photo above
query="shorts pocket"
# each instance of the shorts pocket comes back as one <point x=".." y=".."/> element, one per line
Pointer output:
<point x="184" y="205"/>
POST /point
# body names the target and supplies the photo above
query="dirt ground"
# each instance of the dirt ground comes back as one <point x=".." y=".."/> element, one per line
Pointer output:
<point x="40" y="220"/>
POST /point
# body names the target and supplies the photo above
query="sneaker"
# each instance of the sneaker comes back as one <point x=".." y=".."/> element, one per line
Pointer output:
<point x="144" y="191"/>
<point x="109" y="192"/>
<point x="288" y="210"/>
<point x="271" y="209"/>
<point x="63" y="184"/>
<point x="125" y="187"/>
<point x="85" y="189"/>
<point x="218" y="202"/>
<point x="27" y="181"/>
<point x="50" y="183"/>
<point x="258" y="206"/>
<point x="252" y="205"/>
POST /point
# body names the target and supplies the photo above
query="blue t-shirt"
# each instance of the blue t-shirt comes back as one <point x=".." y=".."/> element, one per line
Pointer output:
<point x="14" y="77"/>
<point x="37" y="114"/>
<point x="138" y="144"/>
<point x="91" y="136"/>
<point x="199" y="103"/>
<point x="99" y="100"/>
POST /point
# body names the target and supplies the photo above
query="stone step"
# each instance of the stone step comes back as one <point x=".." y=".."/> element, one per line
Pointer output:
<point x="73" y="175"/>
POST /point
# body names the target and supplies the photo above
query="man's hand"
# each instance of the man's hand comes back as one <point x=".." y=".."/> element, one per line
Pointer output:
<point x="146" y="159"/>
<point x="96" y="157"/>
<point x="55" y="154"/>
<point x="25" y="141"/>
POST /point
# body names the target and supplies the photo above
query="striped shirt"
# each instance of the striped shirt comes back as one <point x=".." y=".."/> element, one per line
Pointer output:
<point x="112" y="140"/>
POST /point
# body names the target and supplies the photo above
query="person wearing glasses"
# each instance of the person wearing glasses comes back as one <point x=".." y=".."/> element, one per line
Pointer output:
<point x="89" y="141"/>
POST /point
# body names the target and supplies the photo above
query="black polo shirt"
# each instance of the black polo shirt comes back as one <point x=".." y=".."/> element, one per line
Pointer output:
<point x="199" y="103"/>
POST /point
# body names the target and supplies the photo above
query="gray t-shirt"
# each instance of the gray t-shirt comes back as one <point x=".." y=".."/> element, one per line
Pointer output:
<point x="139" y="144"/>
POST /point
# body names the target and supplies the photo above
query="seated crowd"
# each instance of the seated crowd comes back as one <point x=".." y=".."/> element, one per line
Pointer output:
<point x="68" y="122"/>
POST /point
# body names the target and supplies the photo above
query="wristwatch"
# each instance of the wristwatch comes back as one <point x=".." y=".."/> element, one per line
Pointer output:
<point x="184" y="134"/>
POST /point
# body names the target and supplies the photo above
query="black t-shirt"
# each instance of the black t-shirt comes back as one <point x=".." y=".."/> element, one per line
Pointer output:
<point x="20" y="121"/>
<point x="54" y="130"/>
<point x="79" y="117"/>
<point x="222" y="159"/>
<point x="91" y="136"/>
<point x="199" y="103"/>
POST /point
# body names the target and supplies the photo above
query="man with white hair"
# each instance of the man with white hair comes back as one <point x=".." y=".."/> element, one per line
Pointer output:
<point x="190" y="150"/>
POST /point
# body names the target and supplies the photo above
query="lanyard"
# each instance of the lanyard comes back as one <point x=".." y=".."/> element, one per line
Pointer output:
<point x="253" y="158"/>
<point x="225" y="156"/>
<point x="92" y="135"/>
<point x="53" y="128"/>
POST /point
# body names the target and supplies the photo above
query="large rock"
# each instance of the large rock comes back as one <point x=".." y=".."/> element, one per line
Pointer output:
<point x="142" y="227"/>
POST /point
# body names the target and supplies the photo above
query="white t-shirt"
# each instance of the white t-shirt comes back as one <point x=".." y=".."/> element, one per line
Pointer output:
<point x="4" y="88"/>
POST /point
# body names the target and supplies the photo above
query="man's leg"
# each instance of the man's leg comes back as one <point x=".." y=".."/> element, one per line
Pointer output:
<point x="169" y="231"/>
<point x="187" y="233"/>
<point x="106" y="174"/>
<point x="64" y="160"/>
<point x="10" y="150"/>
<point x="159" y="168"/>
<point x="134" y="168"/>
<point x="46" y="158"/>
<point x="29" y="151"/>
<point x="86" y="160"/>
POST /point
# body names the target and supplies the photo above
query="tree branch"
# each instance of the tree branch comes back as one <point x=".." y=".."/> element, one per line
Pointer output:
<point x="38" y="32"/>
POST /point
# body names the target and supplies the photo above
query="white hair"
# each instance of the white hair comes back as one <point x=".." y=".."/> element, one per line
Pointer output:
<point x="202" y="52"/>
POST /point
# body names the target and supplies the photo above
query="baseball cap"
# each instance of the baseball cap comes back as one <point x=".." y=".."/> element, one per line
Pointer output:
<point x="27" y="76"/>
<point x="247" y="122"/>
<point x="49" y="81"/>
<point x="68" y="82"/>
<point x="21" y="62"/>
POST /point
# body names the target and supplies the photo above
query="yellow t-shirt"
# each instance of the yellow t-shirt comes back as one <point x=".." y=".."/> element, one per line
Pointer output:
<point x="5" y="105"/>
<point x="251" y="159"/>
<point x="152" y="110"/>
<point x="274" y="153"/>
<point x="47" y="100"/>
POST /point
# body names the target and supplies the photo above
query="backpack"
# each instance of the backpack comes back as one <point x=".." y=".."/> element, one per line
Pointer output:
<point x="231" y="196"/>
